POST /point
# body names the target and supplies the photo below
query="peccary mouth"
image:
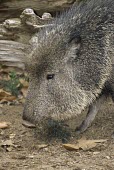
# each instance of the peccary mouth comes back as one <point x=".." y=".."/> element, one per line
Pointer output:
<point x="28" y="124"/>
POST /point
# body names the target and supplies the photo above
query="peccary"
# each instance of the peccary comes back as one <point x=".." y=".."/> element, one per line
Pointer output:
<point x="71" y="65"/>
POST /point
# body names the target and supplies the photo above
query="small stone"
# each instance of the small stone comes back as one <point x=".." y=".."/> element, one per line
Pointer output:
<point x="95" y="153"/>
<point x="45" y="149"/>
<point x="108" y="157"/>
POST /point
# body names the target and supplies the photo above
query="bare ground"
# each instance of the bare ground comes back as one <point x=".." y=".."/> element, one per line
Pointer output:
<point x="24" y="154"/>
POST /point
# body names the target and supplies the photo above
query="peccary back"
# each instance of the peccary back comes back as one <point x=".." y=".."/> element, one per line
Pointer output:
<point x="71" y="63"/>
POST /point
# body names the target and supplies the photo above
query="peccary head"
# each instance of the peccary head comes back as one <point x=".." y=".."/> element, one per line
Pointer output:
<point x="68" y="66"/>
<point x="52" y="90"/>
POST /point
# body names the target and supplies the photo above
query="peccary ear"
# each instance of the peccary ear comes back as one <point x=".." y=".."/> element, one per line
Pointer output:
<point x="75" y="39"/>
<point x="73" y="50"/>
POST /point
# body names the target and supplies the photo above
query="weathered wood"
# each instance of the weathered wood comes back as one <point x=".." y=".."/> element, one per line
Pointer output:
<point x="17" y="33"/>
<point x="13" y="53"/>
<point x="22" y="31"/>
<point x="13" y="8"/>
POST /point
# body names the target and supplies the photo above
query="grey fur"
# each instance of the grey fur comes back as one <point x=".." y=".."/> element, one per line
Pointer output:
<point x="78" y="49"/>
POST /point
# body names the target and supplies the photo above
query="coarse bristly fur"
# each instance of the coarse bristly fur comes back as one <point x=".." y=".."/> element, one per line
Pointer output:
<point x="77" y="51"/>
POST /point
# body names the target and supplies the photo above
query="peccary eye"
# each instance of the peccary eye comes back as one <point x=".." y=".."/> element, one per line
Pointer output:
<point x="50" y="76"/>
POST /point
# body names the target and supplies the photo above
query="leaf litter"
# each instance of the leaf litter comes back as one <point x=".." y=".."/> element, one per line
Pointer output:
<point x="84" y="144"/>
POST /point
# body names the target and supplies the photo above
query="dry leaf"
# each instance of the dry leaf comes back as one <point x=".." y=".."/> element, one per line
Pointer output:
<point x="4" y="125"/>
<point x="71" y="147"/>
<point x="83" y="144"/>
<point x="6" y="96"/>
<point x="24" y="91"/>
<point x="24" y="82"/>
<point x="4" y="93"/>
<point x="22" y="101"/>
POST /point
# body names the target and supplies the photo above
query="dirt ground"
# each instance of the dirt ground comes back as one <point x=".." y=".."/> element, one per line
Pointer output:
<point x="19" y="146"/>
